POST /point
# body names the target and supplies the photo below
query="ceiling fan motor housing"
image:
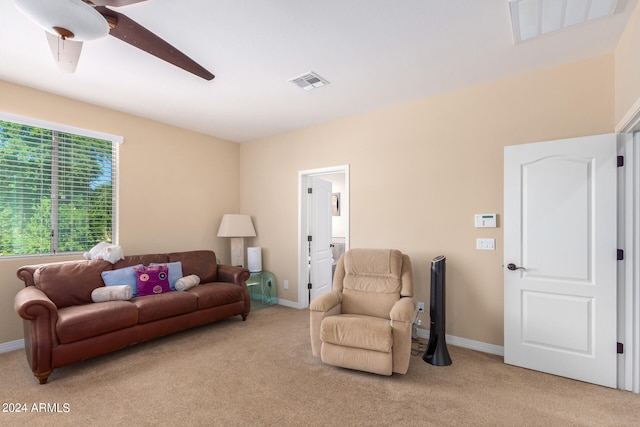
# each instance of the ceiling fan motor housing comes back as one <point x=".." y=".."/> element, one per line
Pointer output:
<point x="64" y="17"/>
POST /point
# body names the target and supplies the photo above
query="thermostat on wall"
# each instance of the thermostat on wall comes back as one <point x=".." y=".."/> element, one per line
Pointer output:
<point x="485" y="220"/>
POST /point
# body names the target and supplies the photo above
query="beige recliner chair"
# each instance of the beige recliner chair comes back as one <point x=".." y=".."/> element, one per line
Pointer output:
<point x="365" y="322"/>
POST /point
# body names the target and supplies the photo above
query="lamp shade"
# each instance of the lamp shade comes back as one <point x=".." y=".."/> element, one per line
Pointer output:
<point x="236" y="225"/>
<point x="83" y="21"/>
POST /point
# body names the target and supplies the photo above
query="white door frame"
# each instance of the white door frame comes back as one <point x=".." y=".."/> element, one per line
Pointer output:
<point x="303" y="215"/>
<point x="629" y="307"/>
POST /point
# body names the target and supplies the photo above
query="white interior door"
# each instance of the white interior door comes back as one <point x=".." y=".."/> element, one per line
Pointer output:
<point x="320" y="254"/>
<point x="560" y="226"/>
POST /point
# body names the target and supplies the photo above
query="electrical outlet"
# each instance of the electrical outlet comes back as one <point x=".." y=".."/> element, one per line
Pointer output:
<point x="420" y="307"/>
<point x="285" y="284"/>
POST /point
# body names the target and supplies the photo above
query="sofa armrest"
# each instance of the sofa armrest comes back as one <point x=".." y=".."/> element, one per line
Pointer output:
<point x="232" y="274"/>
<point x="40" y="315"/>
<point x="31" y="304"/>
<point x="25" y="273"/>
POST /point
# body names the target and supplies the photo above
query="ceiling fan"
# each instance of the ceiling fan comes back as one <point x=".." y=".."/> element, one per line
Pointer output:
<point x="69" y="23"/>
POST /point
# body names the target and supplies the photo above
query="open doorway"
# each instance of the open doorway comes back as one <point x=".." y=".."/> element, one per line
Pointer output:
<point x="338" y="176"/>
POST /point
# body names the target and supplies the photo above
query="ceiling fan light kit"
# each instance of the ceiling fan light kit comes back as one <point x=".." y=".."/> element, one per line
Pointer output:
<point x="77" y="21"/>
<point x="61" y="17"/>
<point x="65" y="52"/>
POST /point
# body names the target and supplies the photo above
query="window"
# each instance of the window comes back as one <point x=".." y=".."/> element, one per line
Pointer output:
<point x="57" y="187"/>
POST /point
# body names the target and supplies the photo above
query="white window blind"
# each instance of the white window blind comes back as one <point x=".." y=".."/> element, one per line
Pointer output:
<point x="57" y="187"/>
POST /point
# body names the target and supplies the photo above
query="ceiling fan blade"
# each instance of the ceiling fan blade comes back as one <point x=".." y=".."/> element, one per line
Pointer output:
<point x="129" y="31"/>
<point x="66" y="53"/>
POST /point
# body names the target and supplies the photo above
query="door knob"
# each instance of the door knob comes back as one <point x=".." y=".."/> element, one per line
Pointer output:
<point x="513" y="267"/>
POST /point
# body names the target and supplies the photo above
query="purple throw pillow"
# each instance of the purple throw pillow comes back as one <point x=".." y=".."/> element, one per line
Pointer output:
<point x="152" y="280"/>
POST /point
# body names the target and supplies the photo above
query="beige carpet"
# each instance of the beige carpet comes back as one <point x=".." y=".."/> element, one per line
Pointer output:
<point x="261" y="372"/>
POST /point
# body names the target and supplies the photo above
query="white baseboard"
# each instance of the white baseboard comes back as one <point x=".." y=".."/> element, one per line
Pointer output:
<point x="467" y="343"/>
<point x="290" y="304"/>
<point x="11" y="346"/>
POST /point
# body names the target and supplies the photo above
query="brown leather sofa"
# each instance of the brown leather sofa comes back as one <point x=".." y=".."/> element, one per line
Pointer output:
<point x="62" y="325"/>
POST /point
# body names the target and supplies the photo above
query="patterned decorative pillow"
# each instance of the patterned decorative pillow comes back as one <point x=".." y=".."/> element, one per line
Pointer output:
<point x="175" y="272"/>
<point x="152" y="279"/>
<point x="122" y="276"/>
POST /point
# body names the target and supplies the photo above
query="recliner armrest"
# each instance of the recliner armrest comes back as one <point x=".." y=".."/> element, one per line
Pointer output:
<point x="326" y="302"/>
<point x="329" y="304"/>
<point x="402" y="317"/>
<point x="404" y="310"/>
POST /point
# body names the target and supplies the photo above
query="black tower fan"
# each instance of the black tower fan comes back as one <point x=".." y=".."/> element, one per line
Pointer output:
<point x="437" y="353"/>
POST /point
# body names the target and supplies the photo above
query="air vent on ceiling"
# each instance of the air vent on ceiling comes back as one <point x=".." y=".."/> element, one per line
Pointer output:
<point x="308" y="81"/>
<point x="534" y="18"/>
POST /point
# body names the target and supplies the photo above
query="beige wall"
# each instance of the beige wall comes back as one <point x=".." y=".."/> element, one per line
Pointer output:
<point x="175" y="185"/>
<point x="420" y="171"/>
<point x="627" y="67"/>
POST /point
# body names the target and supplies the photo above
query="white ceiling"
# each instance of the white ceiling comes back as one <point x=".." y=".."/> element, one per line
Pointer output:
<point x="374" y="53"/>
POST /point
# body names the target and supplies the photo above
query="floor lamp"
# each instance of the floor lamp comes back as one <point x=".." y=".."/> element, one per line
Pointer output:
<point x="236" y="226"/>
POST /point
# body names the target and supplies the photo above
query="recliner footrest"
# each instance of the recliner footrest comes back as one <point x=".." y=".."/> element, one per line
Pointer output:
<point x="357" y="331"/>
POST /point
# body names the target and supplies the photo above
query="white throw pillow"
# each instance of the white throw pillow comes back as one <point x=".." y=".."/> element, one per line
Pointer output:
<point x="106" y="251"/>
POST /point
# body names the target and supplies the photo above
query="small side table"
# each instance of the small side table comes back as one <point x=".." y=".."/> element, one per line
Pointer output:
<point x="268" y="289"/>
<point x="250" y="285"/>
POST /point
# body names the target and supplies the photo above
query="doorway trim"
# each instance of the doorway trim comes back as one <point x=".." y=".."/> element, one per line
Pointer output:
<point x="629" y="321"/>
<point x="303" y="216"/>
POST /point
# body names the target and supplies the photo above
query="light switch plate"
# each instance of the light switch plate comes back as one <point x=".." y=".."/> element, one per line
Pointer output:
<point x="486" y="244"/>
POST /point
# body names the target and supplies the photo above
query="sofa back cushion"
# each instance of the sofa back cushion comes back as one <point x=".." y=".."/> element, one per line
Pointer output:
<point x="372" y="281"/>
<point x="70" y="283"/>
<point x="131" y="260"/>
<point x="201" y="263"/>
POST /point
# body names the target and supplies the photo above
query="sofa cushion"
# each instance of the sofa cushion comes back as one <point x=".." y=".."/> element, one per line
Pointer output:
<point x="201" y="263"/>
<point x="89" y="320"/>
<point x="122" y="276"/>
<point x="160" y="306"/>
<point x="351" y="330"/>
<point x="215" y="294"/>
<point x="153" y="279"/>
<point x="70" y="283"/>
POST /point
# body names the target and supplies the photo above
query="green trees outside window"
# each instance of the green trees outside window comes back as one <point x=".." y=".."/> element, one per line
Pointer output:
<point x="56" y="190"/>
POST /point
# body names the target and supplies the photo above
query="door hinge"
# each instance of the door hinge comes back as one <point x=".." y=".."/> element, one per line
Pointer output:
<point x="309" y="238"/>
<point x="620" y="161"/>
<point x="309" y="190"/>
<point x="620" y="348"/>
<point x="309" y="286"/>
<point x="620" y="254"/>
